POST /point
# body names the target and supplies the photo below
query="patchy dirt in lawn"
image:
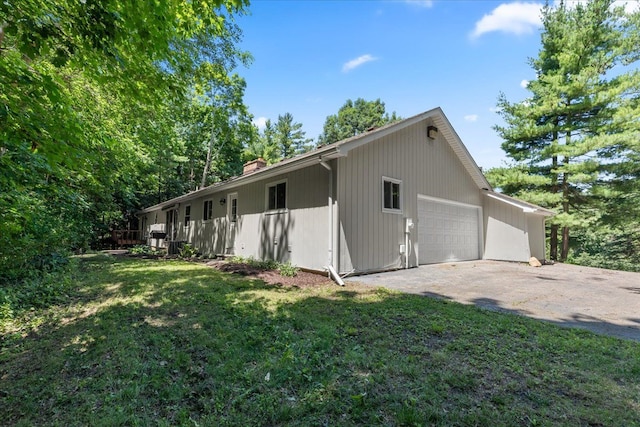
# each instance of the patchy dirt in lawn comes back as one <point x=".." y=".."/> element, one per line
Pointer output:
<point x="303" y="279"/>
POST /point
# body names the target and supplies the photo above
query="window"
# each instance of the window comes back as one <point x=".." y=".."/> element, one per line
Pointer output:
<point x="208" y="210"/>
<point x="391" y="195"/>
<point x="277" y="196"/>
<point x="233" y="209"/>
<point x="187" y="215"/>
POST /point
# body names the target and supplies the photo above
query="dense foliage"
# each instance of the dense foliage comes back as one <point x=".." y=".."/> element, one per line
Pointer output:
<point x="575" y="140"/>
<point x="92" y="124"/>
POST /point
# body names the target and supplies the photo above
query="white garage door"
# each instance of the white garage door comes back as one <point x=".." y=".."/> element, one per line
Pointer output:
<point x="447" y="232"/>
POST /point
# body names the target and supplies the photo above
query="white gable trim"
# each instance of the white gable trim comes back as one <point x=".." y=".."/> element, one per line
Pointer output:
<point x="524" y="206"/>
<point x="444" y="127"/>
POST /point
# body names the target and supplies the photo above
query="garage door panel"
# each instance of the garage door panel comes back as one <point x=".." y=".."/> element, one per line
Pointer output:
<point x="447" y="232"/>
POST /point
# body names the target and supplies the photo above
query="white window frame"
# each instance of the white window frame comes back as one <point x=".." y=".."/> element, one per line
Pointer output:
<point x="187" y="219"/>
<point x="400" y="198"/>
<point x="204" y="210"/>
<point x="286" y="196"/>
<point x="230" y="197"/>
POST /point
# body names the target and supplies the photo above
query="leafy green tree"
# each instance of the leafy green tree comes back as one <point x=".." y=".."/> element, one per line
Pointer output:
<point x="89" y="92"/>
<point x="214" y="128"/>
<point x="354" y="118"/>
<point x="569" y="139"/>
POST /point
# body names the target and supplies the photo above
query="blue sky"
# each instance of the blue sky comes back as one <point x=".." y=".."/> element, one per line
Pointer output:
<point x="311" y="56"/>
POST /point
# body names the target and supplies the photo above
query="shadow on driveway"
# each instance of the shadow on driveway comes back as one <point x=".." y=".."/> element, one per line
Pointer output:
<point x="603" y="301"/>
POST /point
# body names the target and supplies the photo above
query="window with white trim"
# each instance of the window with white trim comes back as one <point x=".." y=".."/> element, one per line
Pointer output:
<point x="277" y="195"/>
<point x="391" y="195"/>
<point x="233" y="207"/>
<point x="187" y="216"/>
<point x="207" y="214"/>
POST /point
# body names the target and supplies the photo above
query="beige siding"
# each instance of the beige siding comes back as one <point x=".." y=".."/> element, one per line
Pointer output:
<point x="536" y="233"/>
<point x="369" y="238"/>
<point x="299" y="234"/>
<point x="506" y="236"/>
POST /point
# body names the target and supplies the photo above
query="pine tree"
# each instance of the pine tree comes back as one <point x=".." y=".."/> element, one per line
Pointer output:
<point x="563" y="137"/>
<point x="290" y="138"/>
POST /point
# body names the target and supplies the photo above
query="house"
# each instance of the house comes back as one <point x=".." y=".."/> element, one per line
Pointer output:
<point x="402" y="195"/>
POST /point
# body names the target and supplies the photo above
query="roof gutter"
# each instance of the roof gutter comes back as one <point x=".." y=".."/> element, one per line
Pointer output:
<point x="277" y="169"/>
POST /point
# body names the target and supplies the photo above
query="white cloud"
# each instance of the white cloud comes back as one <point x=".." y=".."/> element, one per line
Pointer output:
<point x="524" y="17"/>
<point x="260" y="122"/>
<point x="420" y="3"/>
<point x="524" y="84"/>
<point x="515" y="18"/>
<point x="355" y="63"/>
<point x="471" y="117"/>
<point x="495" y="109"/>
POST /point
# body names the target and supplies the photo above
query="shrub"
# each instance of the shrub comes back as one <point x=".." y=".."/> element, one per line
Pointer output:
<point x="288" y="270"/>
<point x="607" y="248"/>
<point x="143" y="250"/>
<point x="36" y="292"/>
<point x="255" y="263"/>
<point x="188" y="251"/>
<point x="285" y="269"/>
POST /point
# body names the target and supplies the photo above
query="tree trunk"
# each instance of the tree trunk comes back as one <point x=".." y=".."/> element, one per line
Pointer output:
<point x="207" y="164"/>
<point x="2" y="26"/>
<point x="553" y="242"/>
<point x="565" y="209"/>
<point x="160" y="183"/>
<point x="565" y="243"/>
<point x="192" y="177"/>
<point x="553" y="237"/>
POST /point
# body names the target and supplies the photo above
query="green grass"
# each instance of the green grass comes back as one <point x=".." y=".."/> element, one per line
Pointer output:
<point x="155" y="342"/>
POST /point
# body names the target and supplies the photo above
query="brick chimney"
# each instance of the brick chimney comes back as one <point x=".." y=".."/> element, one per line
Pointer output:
<point x="253" y="166"/>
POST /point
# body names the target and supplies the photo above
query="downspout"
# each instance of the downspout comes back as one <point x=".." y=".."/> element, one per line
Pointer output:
<point x="408" y="226"/>
<point x="406" y="246"/>
<point x="332" y="271"/>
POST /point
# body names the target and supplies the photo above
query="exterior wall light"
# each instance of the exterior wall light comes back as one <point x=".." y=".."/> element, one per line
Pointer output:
<point x="223" y="201"/>
<point x="432" y="132"/>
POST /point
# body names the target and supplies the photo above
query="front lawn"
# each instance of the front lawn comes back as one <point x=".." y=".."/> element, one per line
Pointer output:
<point x="156" y="342"/>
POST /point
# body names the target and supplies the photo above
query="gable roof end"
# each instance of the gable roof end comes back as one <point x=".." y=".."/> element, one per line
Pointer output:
<point x="439" y="119"/>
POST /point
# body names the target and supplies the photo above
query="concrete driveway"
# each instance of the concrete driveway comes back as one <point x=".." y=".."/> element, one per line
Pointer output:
<point x="603" y="301"/>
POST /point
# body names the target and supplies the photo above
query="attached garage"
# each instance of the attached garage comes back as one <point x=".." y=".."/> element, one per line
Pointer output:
<point x="448" y="231"/>
<point x="404" y="194"/>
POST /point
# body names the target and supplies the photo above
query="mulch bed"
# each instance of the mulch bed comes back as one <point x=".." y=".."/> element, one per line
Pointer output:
<point x="303" y="279"/>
